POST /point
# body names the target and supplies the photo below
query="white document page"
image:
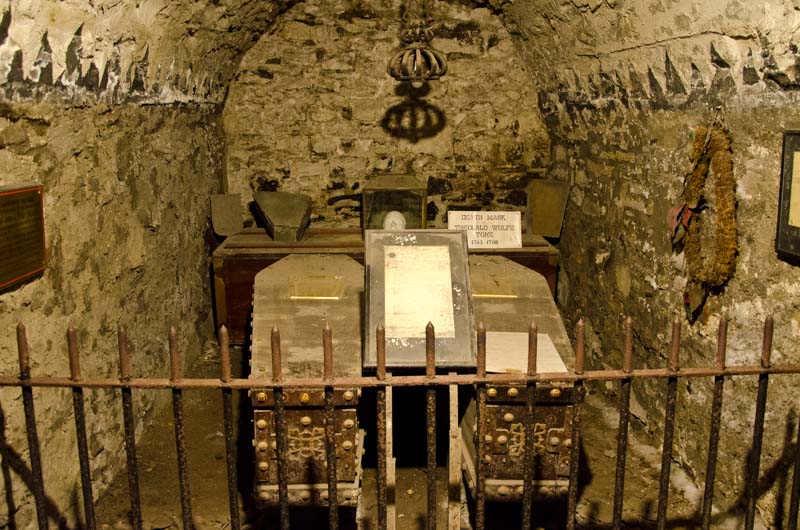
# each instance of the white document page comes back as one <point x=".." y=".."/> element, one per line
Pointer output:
<point x="418" y="290"/>
<point x="507" y="352"/>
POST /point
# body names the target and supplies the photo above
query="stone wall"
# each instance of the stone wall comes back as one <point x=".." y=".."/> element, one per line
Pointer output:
<point x="312" y="110"/>
<point x="126" y="219"/>
<point x="641" y="76"/>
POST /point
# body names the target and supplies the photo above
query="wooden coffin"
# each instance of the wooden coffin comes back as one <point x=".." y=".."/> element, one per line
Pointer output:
<point x="298" y="294"/>
<point x="242" y="256"/>
<point x="507" y="297"/>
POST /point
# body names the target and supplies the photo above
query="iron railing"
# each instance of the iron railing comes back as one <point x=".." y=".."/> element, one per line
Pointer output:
<point x="430" y="380"/>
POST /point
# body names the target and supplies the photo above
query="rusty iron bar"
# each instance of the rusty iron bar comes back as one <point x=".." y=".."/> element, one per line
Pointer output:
<point x="430" y="351"/>
<point x="406" y="380"/>
<point x="430" y="372"/>
<point x="30" y="427"/>
<point x="281" y="442"/>
<point x="227" y="416"/>
<point x="126" y="383"/>
<point x="713" y="437"/>
<point x="751" y="482"/>
<point x="622" y="429"/>
<point x="575" y="452"/>
<point x="80" y="430"/>
<point x="794" y="500"/>
<point x="529" y="449"/>
<point x="180" y="436"/>
<point x="275" y="343"/>
<point x="130" y="430"/>
<point x="381" y="427"/>
<point x="330" y="429"/>
<point x="480" y="464"/>
<point x="669" y="426"/>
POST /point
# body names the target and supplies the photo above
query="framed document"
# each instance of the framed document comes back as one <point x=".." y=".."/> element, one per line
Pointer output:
<point x="414" y="277"/>
<point x="787" y="241"/>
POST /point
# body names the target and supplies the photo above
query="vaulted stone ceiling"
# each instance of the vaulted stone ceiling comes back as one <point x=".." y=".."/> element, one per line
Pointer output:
<point x="162" y="50"/>
<point x="178" y="50"/>
<point x="658" y="48"/>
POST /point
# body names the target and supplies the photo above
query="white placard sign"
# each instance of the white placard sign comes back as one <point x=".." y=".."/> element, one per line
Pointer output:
<point x="488" y="229"/>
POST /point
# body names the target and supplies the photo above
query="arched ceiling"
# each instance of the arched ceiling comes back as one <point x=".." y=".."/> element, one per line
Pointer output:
<point x="659" y="51"/>
<point x="81" y="51"/>
<point x="160" y="50"/>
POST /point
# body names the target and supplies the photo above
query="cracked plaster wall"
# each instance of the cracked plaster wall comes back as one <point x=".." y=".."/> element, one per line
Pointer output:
<point x="640" y="75"/>
<point x="305" y="112"/>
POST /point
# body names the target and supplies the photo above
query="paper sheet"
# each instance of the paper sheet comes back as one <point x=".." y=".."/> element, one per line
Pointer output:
<point x="507" y="352"/>
<point x="418" y="289"/>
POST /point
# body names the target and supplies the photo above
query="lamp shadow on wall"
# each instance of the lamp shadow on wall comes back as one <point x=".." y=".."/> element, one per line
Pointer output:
<point x="414" y="118"/>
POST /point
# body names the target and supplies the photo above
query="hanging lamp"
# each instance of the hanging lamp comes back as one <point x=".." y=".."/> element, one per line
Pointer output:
<point x="418" y="62"/>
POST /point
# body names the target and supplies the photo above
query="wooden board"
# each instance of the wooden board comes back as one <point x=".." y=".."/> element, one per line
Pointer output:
<point x="22" y="241"/>
<point x="547" y="202"/>
<point x="454" y="465"/>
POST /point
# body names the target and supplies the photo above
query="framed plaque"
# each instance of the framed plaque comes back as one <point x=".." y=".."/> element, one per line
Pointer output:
<point x="414" y="277"/>
<point x="22" y="243"/>
<point x="787" y="242"/>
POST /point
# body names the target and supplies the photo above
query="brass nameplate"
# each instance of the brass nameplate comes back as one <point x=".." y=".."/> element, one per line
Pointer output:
<point x="22" y="245"/>
<point x="491" y="288"/>
<point x="316" y="287"/>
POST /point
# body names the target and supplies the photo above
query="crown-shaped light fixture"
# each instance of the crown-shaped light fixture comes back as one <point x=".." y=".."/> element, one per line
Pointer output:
<point x="418" y="62"/>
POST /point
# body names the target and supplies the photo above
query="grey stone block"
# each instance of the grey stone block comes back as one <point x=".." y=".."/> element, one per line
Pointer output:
<point x="285" y="214"/>
<point x="226" y="214"/>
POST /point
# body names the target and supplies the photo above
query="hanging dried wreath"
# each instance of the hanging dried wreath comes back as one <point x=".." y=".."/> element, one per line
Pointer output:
<point x="711" y="263"/>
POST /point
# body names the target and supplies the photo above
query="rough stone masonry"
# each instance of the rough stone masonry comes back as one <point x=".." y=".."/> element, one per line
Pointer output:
<point x="642" y="76"/>
<point x="126" y="245"/>
<point x="131" y="113"/>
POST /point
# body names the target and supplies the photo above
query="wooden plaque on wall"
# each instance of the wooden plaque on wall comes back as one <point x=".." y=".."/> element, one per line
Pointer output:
<point x="22" y="243"/>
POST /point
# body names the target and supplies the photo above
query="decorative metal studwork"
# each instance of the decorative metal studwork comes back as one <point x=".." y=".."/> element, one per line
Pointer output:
<point x="417" y="62"/>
